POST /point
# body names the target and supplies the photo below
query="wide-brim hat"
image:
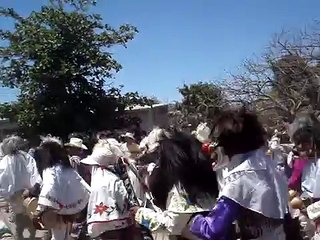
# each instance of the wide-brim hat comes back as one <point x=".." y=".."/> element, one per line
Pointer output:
<point x="134" y="148"/>
<point x="104" y="153"/>
<point x="128" y="135"/>
<point x="203" y="132"/>
<point x="76" y="143"/>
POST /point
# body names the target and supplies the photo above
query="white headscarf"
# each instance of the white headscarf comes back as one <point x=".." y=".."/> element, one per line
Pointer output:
<point x="151" y="142"/>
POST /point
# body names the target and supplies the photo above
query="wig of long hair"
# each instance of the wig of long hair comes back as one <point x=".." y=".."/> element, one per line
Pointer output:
<point x="305" y="127"/>
<point x="181" y="161"/>
<point x="238" y="131"/>
<point x="12" y="144"/>
<point x="55" y="150"/>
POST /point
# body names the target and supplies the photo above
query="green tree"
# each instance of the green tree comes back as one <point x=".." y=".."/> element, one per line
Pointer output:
<point x="59" y="58"/>
<point x="201" y="97"/>
<point x="199" y="101"/>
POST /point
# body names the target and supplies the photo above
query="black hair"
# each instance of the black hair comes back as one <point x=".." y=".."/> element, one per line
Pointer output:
<point x="57" y="153"/>
<point x="238" y="131"/>
<point x="180" y="160"/>
<point x="302" y="135"/>
<point x="304" y="128"/>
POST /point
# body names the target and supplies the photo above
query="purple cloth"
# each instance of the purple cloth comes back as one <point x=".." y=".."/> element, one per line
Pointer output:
<point x="295" y="179"/>
<point x="217" y="225"/>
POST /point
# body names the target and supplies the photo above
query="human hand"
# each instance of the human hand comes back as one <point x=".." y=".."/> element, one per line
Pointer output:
<point x="26" y="194"/>
<point x="74" y="161"/>
<point x="133" y="212"/>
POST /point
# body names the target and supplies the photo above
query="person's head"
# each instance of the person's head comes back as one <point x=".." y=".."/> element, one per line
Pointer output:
<point x="304" y="132"/>
<point x="179" y="159"/>
<point x="106" y="152"/>
<point x="73" y="151"/>
<point x="51" y="152"/>
<point x="238" y="131"/>
<point x="75" y="146"/>
<point x="12" y="144"/>
<point x="129" y="138"/>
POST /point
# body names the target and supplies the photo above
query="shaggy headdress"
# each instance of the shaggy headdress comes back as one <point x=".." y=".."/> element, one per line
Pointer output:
<point x="49" y="138"/>
<point x="152" y="140"/>
<point x="12" y="145"/>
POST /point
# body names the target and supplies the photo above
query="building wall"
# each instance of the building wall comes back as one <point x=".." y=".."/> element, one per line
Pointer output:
<point x="151" y="117"/>
<point x="7" y="128"/>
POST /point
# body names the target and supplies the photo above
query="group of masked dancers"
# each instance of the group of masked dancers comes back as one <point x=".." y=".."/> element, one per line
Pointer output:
<point x="220" y="182"/>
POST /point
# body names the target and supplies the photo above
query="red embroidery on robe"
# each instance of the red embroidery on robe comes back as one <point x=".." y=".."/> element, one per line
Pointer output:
<point x="101" y="208"/>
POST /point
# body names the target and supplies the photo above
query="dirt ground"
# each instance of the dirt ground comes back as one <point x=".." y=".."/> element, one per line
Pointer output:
<point x="5" y="220"/>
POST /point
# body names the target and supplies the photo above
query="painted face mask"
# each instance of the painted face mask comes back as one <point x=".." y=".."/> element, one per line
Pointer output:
<point x="221" y="159"/>
<point x="217" y="155"/>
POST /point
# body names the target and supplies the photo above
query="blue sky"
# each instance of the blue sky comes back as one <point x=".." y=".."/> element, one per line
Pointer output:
<point x="185" y="41"/>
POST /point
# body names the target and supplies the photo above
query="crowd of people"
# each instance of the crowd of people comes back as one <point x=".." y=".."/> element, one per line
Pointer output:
<point x="224" y="181"/>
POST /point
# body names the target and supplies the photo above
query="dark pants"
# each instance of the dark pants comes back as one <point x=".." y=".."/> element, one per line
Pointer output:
<point x="121" y="234"/>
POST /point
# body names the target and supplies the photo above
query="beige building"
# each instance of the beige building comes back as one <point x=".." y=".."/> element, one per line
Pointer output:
<point x="151" y="116"/>
<point x="7" y="127"/>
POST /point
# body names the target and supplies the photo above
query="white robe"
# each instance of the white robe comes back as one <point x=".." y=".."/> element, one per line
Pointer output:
<point x="254" y="182"/>
<point x="310" y="181"/>
<point x="63" y="190"/>
<point x="174" y="220"/>
<point x="108" y="208"/>
<point x="17" y="172"/>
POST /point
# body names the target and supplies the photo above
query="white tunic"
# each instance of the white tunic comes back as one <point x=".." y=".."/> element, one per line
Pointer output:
<point x="254" y="182"/>
<point x="17" y="172"/>
<point x="310" y="181"/>
<point x="108" y="207"/>
<point x="63" y="190"/>
<point x="177" y="215"/>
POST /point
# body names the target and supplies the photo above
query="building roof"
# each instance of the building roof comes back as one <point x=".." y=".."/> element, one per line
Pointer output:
<point x="4" y="120"/>
<point x="139" y="107"/>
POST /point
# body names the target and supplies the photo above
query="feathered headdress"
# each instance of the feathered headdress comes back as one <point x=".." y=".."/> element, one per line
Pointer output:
<point x="152" y="140"/>
<point x="49" y="138"/>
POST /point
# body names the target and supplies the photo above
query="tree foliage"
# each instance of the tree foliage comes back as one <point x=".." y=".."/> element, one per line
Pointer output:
<point x="284" y="80"/>
<point x="59" y="58"/>
<point x="199" y="101"/>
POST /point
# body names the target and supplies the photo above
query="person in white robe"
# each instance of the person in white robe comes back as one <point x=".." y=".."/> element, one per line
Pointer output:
<point x="171" y="220"/>
<point x="64" y="193"/>
<point x="19" y="178"/>
<point x="254" y="192"/>
<point x="108" y="210"/>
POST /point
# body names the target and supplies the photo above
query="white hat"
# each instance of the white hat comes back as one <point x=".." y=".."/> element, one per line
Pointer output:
<point x="202" y="133"/>
<point x="77" y="143"/>
<point x="104" y="153"/>
<point x="153" y="138"/>
<point x="143" y="143"/>
<point x="128" y="135"/>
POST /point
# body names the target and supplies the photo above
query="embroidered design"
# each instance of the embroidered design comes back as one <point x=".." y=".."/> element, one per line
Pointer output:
<point x="145" y="222"/>
<point x="69" y="206"/>
<point x="101" y="208"/>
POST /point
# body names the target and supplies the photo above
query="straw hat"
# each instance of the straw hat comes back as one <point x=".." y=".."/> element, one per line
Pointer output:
<point x="76" y="143"/>
<point x="128" y="135"/>
<point x="104" y="153"/>
<point x="202" y="133"/>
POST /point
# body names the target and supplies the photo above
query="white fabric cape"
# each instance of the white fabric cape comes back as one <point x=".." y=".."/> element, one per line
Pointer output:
<point x="63" y="190"/>
<point x="254" y="183"/>
<point x="17" y="172"/>
<point x="310" y="181"/>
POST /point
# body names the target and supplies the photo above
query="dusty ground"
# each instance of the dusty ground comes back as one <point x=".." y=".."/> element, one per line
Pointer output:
<point x="5" y="219"/>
